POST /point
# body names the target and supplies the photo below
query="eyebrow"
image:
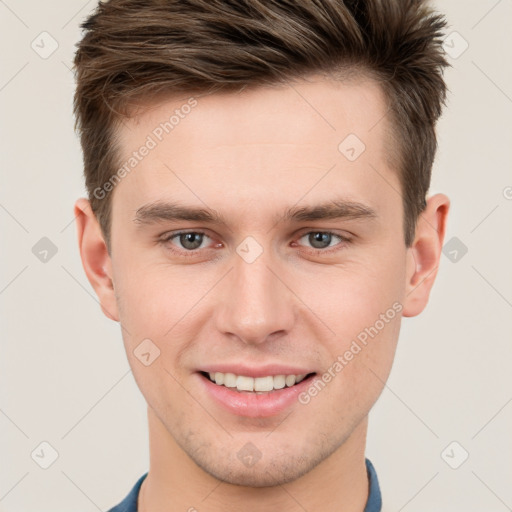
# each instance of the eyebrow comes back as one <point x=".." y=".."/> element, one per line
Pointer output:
<point x="159" y="211"/>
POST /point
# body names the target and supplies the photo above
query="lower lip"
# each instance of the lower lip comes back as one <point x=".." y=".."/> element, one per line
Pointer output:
<point x="254" y="405"/>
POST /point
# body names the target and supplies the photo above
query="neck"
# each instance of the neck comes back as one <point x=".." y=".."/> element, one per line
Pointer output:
<point x="175" y="482"/>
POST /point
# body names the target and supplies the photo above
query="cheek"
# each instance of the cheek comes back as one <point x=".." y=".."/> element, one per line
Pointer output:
<point x="360" y="360"/>
<point x="160" y="304"/>
<point x="363" y="307"/>
<point x="152" y="298"/>
<point x="151" y="310"/>
<point x="354" y="298"/>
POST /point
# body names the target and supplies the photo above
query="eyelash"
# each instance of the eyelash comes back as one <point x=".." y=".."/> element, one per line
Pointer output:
<point x="192" y="253"/>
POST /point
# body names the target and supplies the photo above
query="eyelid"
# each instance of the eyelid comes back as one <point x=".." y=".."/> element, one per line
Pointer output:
<point x="328" y="250"/>
<point x="168" y="236"/>
<point x="305" y="231"/>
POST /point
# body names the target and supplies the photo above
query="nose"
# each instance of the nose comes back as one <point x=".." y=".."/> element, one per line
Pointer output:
<point x="256" y="302"/>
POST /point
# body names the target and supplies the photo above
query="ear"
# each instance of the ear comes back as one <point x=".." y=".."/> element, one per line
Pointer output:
<point x="95" y="258"/>
<point x="424" y="254"/>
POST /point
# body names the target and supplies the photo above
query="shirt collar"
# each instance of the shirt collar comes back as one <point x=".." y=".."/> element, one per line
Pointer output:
<point x="374" y="503"/>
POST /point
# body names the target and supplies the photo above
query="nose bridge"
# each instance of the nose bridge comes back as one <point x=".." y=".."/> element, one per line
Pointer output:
<point x="256" y="303"/>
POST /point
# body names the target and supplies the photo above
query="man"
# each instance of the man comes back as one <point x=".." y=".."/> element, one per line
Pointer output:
<point x="257" y="223"/>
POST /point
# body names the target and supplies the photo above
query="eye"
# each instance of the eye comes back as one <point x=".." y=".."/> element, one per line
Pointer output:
<point x="321" y="241"/>
<point x="186" y="241"/>
<point x="189" y="243"/>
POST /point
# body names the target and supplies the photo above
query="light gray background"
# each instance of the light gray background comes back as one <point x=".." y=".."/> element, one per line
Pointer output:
<point x="64" y="374"/>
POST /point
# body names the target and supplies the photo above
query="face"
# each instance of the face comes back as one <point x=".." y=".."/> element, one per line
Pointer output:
<point x="296" y="265"/>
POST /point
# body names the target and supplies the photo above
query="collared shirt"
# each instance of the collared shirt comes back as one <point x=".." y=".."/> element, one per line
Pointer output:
<point x="374" y="503"/>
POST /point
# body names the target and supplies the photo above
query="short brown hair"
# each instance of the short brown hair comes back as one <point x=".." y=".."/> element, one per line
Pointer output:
<point x="132" y="51"/>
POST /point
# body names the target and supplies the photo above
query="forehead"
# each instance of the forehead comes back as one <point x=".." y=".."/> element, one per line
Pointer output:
<point x="257" y="114"/>
<point x="259" y="145"/>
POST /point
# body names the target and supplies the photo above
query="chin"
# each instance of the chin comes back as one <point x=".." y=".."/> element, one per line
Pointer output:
<point x="250" y="477"/>
<point x="277" y="471"/>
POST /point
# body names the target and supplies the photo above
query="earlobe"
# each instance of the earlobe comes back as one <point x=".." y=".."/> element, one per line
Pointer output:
<point x="95" y="258"/>
<point x="424" y="254"/>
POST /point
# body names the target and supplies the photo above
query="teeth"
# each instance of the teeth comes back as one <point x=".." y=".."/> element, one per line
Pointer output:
<point x="263" y="383"/>
<point x="229" y="380"/>
<point x="244" y="383"/>
<point x="258" y="384"/>
<point x="290" y="380"/>
<point x="279" y="381"/>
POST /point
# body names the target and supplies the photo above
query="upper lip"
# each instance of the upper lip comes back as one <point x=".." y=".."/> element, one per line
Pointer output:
<point x="252" y="371"/>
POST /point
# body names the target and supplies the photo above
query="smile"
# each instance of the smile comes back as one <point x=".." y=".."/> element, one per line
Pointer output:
<point x="254" y="396"/>
<point x="255" y="385"/>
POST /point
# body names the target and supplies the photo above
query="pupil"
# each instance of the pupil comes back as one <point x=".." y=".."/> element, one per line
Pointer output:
<point x="187" y="240"/>
<point x="320" y="238"/>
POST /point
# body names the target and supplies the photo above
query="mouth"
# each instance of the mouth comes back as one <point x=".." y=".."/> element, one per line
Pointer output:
<point x="255" y="391"/>
<point x="267" y="385"/>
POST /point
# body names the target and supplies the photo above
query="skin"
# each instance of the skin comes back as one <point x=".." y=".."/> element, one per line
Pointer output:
<point x="249" y="156"/>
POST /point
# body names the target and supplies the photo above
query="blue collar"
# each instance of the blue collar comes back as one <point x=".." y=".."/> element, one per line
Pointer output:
<point x="374" y="503"/>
